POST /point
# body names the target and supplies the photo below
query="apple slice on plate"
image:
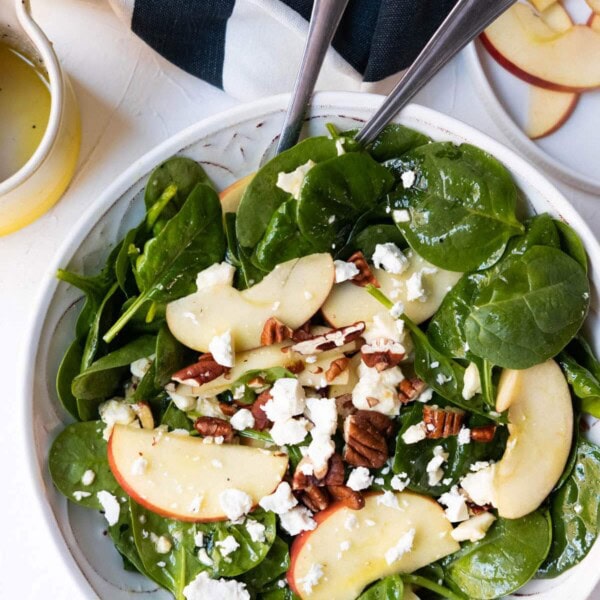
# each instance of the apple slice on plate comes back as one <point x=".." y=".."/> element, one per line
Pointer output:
<point x="528" y="47"/>
<point x="594" y="22"/>
<point x="594" y="5"/>
<point x="540" y="415"/>
<point x="355" y="548"/>
<point x="231" y="196"/>
<point x="293" y="292"/>
<point x="548" y="111"/>
<point x="180" y="477"/>
<point x="543" y="4"/>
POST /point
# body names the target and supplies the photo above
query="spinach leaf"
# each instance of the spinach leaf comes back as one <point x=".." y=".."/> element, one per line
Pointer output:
<point x="437" y="589"/>
<point x="121" y="533"/>
<point x="571" y="244"/>
<point x="171" y="356"/>
<point x="103" y="377"/>
<point x="394" y="141"/>
<point x="273" y="566"/>
<point x="575" y="511"/>
<point x="175" y="569"/>
<point x="506" y="559"/>
<point x="69" y="368"/>
<point x="262" y="196"/>
<point x="147" y="390"/>
<point x="175" y="418"/>
<point x="134" y="239"/>
<point x="231" y="238"/>
<point x="462" y="208"/>
<point x="580" y="349"/>
<point x="412" y="459"/>
<point x="584" y="385"/>
<point x="282" y="240"/>
<point x="370" y="236"/>
<point x="77" y="448"/>
<point x="335" y="193"/>
<point x="530" y="310"/>
<point x="270" y="376"/>
<point x="278" y="594"/>
<point x="389" y="588"/>
<point x="191" y="241"/>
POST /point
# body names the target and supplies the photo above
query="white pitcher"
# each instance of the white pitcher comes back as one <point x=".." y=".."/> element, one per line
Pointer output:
<point x="41" y="181"/>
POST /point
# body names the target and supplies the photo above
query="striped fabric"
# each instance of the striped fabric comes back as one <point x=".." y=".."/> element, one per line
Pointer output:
<point x="252" y="48"/>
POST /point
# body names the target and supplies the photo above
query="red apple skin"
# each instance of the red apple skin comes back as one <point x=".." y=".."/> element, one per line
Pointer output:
<point x="564" y="118"/>
<point x="594" y="22"/>
<point x="148" y="505"/>
<point x="523" y="75"/>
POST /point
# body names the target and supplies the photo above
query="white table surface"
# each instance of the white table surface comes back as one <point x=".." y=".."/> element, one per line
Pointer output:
<point x="130" y="100"/>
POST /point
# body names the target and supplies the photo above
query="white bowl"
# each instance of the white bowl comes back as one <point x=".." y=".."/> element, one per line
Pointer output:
<point x="229" y="146"/>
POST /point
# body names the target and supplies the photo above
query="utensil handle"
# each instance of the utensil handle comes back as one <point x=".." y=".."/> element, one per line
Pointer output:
<point x="324" y="21"/>
<point x="465" y="22"/>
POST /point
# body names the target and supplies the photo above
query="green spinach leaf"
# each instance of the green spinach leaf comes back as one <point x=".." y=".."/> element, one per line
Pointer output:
<point x="69" y="368"/>
<point x="571" y="243"/>
<point x="370" y="236"/>
<point x="171" y="356"/>
<point x="121" y="533"/>
<point x="389" y="588"/>
<point x="271" y="568"/>
<point x="584" y="385"/>
<point x="506" y="559"/>
<point x="175" y="418"/>
<point x="394" y="141"/>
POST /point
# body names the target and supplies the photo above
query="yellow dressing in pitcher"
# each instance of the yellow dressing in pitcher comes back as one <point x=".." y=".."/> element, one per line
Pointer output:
<point x="24" y="109"/>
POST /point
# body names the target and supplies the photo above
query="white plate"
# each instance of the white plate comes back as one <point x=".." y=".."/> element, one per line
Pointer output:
<point x="229" y="146"/>
<point x="571" y="153"/>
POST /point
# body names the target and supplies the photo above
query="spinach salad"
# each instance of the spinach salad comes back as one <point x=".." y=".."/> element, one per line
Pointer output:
<point x="355" y="373"/>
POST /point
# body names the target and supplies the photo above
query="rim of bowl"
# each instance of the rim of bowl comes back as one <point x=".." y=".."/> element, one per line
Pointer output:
<point x="55" y="80"/>
<point x="142" y="166"/>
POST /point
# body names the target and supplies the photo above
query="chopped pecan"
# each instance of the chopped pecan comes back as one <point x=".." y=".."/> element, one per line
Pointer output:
<point x="344" y="405"/>
<point x="302" y="333"/>
<point x="382" y="355"/>
<point x="275" y="332"/>
<point x="337" y="367"/>
<point x="442" y="422"/>
<point x="336" y="472"/>
<point x="365" y="434"/>
<point x="315" y="498"/>
<point x="228" y="409"/>
<point x="305" y="478"/>
<point x="214" y="427"/>
<point x="410" y="389"/>
<point x="261" y="420"/>
<point x="475" y="509"/>
<point x="342" y="493"/>
<point x="331" y="339"/>
<point x="485" y="433"/>
<point x="203" y="371"/>
<point x="365" y="275"/>
<point x="144" y="414"/>
<point x="296" y="367"/>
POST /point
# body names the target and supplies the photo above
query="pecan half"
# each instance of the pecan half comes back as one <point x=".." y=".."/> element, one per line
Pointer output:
<point x="484" y="434"/>
<point x="344" y="405"/>
<point x="342" y="493"/>
<point x="315" y="498"/>
<point x="336" y="472"/>
<point x="228" y="409"/>
<point x="203" y="371"/>
<point x="261" y="420"/>
<point x="365" y="275"/>
<point x="337" y="367"/>
<point x="382" y="355"/>
<point x="331" y="339"/>
<point x="275" y="332"/>
<point x="410" y="389"/>
<point x="365" y="434"/>
<point x="302" y="333"/>
<point x="442" y="422"/>
<point x="214" y="427"/>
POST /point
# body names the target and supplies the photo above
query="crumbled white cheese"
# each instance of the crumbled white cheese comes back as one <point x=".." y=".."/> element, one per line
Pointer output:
<point x="307" y="295"/>
<point x="425" y="396"/>
<point x="110" y="505"/>
<point x="216" y="463"/>
<point x="397" y="310"/>
<point x="382" y="345"/>
<point x="204" y="558"/>
<point x="408" y="179"/>
<point x="351" y="522"/>
<point x="221" y="348"/>
<point x="414" y="288"/>
<point x="379" y="481"/>
<point x="383" y="327"/>
<point x="239" y="392"/>
<point x="414" y="433"/>
<point x="320" y="450"/>
<point x="479" y="486"/>
<point x="217" y="274"/>
<point x="390" y="258"/>
<point x="388" y="499"/>
<point x="289" y="432"/>
<point x="138" y="368"/>
<point x="345" y="546"/>
<point x="255" y="530"/>
<point x="243" y="419"/>
<point x="404" y="545"/>
<point x="287" y="400"/>
<point x="183" y="402"/>
<point x="359" y="479"/>
<point x="292" y="182"/>
<point x="79" y="495"/>
<point x="162" y="544"/>
<point x="464" y="436"/>
<point x="297" y="520"/>
<point x="377" y="391"/>
<point x="227" y="546"/>
<point x="472" y="382"/>
<point x="434" y="466"/>
<point x="199" y="539"/>
<point x="399" y="482"/>
<point x="474" y="529"/>
<point x="312" y="578"/>
<point x="323" y="414"/>
<point x="578" y="509"/>
<point x="115" y="412"/>
<point x="205" y="588"/>
<point x="456" y="506"/>
<point x="196" y="503"/>
<point x="139" y="466"/>
<point x="401" y="216"/>
<point x="88" y="477"/>
<point x="235" y="503"/>
<point x="479" y="465"/>
<point x="281" y="500"/>
<point x="442" y="379"/>
<point x="345" y="270"/>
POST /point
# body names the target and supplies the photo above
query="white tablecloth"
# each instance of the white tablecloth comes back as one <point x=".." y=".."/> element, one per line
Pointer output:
<point x="130" y="99"/>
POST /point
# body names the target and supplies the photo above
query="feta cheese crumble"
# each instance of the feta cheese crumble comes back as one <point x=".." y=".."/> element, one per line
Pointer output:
<point x="435" y="472"/>
<point x="414" y="433"/>
<point x="287" y="400"/>
<point x="401" y="216"/>
<point x="235" y="503"/>
<point x="464" y="436"/>
<point x="162" y="544"/>
<point x="255" y="530"/>
<point x="227" y="546"/>
<point x="88" y="477"/>
<point x="139" y="466"/>
<point x="414" y="288"/>
<point x="408" y="179"/>
<point x="205" y="588"/>
<point x="389" y="258"/>
<point x="217" y="274"/>
<point x="221" y="348"/>
<point x="479" y="485"/>
<point x="297" y="520"/>
<point x="292" y="182"/>
<point x="110" y="506"/>
<point x="281" y="500"/>
<point x="472" y="382"/>
<point x="359" y="479"/>
<point x="345" y="271"/>
<point x="404" y="545"/>
<point x="456" y="505"/>
<point x="388" y="499"/>
<point x="243" y="419"/>
<point x="312" y="578"/>
<point x="290" y="431"/>
<point x="397" y="310"/>
<point x="138" y="368"/>
<point x="381" y="387"/>
<point x="474" y="529"/>
<point x="115" y="412"/>
<point x="323" y="413"/>
<point x="399" y="482"/>
<point x="79" y="495"/>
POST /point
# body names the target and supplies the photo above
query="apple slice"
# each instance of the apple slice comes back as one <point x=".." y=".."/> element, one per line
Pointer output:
<point x="522" y="42"/>
<point x="231" y="196"/>
<point x="180" y="477"/>
<point x="548" y="111"/>
<point x="360" y="541"/>
<point x="542" y="5"/>
<point x="594" y="22"/>
<point x="594" y="5"/>
<point x="336" y="390"/>
<point x="349" y="303"/>
<point x="557" y="18"/>
<point x="540" y="414"/>
<point x="292" y="293"/>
